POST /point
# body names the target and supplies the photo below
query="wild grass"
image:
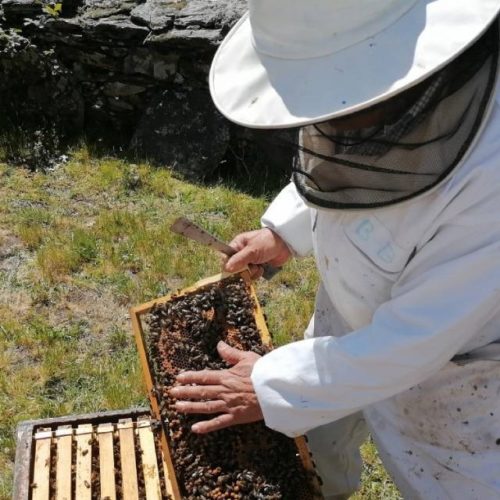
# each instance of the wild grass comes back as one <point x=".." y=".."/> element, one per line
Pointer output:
<point x="79" y="245"/>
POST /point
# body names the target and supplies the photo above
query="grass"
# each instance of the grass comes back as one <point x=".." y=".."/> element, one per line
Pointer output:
<point x="82" y="243"/>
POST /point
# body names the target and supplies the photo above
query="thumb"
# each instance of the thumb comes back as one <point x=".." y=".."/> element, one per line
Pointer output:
<point x="240" y="260"/>
<point x="229" y="354"/>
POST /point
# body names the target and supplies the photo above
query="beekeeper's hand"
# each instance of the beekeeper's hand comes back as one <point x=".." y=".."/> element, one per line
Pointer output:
<point x="227" y="393"/>
<point x="261" y="246"/>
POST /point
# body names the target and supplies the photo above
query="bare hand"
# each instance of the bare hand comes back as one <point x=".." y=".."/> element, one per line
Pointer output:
<point x="257" y="247"/>
<point x="227" y="392"/>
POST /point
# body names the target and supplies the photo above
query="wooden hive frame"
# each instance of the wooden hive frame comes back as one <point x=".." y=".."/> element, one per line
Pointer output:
<point x="137" y="312"/>
<point x="54" y="457"/>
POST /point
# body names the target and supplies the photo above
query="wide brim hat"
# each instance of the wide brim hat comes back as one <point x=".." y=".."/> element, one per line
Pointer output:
<point x="289" y="63"/>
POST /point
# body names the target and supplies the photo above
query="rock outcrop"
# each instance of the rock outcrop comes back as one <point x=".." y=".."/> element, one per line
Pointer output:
<point x="127" y="71"/>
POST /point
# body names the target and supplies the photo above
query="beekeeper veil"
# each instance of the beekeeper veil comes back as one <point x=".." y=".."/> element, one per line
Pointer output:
<point x="417" y="140"/>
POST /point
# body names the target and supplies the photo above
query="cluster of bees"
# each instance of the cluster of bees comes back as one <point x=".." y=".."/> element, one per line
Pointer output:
<point x="243" y="462"/>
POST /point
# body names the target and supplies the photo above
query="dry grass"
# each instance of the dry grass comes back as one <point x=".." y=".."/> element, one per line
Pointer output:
<point x="82" y="243"/>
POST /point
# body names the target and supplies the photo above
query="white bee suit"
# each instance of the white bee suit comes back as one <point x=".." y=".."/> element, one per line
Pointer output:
<point x="405" y="289"/>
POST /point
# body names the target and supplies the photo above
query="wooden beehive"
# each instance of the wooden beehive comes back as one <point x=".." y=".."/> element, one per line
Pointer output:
<point x="138" y="316"/>
<point x="103" y="456"/>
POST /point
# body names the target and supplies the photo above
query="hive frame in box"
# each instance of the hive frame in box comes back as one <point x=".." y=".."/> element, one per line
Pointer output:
<point x="135" y="315"/>
<point x="30" y="434"/>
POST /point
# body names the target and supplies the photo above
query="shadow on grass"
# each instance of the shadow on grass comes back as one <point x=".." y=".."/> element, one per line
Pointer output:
<point x="256" y="162"/>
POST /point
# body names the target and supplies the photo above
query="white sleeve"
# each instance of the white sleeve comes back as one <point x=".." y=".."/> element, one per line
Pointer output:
<point x="447" y="293"/>
<point x="290" y="218"/>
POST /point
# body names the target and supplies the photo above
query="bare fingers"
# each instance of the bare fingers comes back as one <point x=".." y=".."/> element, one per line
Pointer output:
<point x="215" y="424"/>
<point x="196" y="392"/>
<point x="256" y="271"/>
<point x="205" y="407"/>
<point x="202" y="377"/>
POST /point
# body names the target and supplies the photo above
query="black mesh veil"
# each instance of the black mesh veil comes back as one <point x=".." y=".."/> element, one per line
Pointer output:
<point x="408" y="150"/>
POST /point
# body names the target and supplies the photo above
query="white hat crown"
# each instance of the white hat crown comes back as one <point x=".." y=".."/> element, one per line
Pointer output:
<point x="289" y="63"/>
<point x="299" y="29"/>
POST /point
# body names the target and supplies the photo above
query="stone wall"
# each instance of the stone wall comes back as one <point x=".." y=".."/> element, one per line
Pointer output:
<point x="127" y="71"/>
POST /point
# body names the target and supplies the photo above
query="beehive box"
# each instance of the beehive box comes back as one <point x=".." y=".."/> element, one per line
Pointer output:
<point x="110" y="455"/>
<point x="180" y="332"/>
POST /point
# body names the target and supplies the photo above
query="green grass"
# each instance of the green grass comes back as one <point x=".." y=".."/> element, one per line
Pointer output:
<point x="375" y="482"/>
<point x="81" y="244"/>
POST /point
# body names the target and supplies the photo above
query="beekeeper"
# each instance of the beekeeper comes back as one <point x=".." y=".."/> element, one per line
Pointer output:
<point x="396" y="191"/>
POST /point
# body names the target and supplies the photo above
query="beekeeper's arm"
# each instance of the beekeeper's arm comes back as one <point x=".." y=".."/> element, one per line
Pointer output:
<point x="290" y="218"/>
<point x="449" y="290"/>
